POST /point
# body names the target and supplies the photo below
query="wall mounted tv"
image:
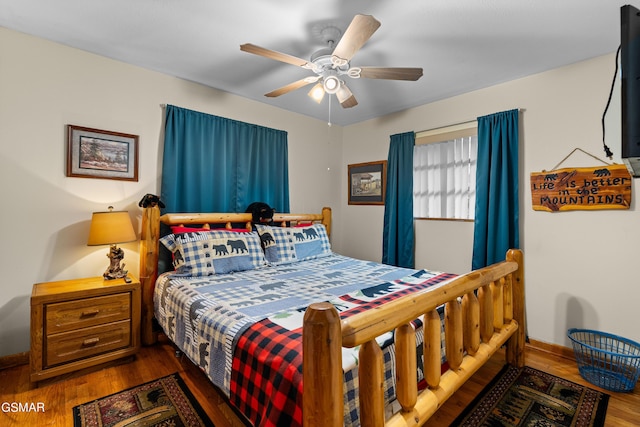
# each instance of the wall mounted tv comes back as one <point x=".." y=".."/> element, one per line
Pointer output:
<point x="630" y="64"/>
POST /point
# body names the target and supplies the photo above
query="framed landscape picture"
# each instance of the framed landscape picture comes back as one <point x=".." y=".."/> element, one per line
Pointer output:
<point x="367" y="183"/>
<point x="95" y="153"/>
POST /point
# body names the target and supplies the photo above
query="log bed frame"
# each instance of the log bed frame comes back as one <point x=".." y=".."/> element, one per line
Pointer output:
<point x="484" y="310"/>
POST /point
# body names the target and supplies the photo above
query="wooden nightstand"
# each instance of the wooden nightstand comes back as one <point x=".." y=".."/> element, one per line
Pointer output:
<point x="77" y="324"/>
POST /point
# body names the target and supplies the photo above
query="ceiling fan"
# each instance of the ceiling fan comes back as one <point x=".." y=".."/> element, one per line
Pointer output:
<point x="331" y="64"/>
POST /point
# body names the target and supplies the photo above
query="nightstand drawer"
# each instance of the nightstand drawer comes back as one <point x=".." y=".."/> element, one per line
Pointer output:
<point x="73" y="345"/>
<point x="71" y="315"/>
<point x="82" y="323"/>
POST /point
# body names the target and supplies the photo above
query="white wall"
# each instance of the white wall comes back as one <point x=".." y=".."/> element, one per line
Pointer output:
<point x="580" y="265"/>
<point x="431" y="235"/>
<point x="45" y="215"/>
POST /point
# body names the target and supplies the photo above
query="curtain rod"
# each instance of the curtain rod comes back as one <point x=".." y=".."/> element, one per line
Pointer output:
<point x="461" y="124"/>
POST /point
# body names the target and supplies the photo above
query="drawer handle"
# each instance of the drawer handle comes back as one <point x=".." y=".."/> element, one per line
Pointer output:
<point x="90" y="341"/>
<point x="90" y="313"/>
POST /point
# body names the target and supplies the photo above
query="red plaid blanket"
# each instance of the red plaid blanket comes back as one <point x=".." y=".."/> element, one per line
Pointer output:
<point x="266" y="380"/>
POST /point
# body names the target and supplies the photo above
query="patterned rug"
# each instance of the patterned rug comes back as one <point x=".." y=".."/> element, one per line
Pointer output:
<point x="162" y="402"/>
<point x="531" y="398"/>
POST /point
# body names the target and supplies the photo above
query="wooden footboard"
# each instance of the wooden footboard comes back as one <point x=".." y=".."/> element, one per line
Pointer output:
<point x="484" y="309"/>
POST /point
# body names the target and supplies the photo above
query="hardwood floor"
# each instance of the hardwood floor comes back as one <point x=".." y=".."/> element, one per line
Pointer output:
<point x="58" y="397"/>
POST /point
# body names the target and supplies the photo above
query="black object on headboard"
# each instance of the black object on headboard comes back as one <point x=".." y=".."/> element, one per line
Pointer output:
<point x="150" y="200"/>
<point x="261" y="213"/>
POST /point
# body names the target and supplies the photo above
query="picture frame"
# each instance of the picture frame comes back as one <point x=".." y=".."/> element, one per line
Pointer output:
<point x="103" y="154"/>
<point x="367" y="183"/>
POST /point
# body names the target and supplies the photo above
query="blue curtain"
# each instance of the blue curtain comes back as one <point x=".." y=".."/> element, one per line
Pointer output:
<point x="497" y="213"/>
<point x="398" y="236"/>
<point x="214" y="164"/>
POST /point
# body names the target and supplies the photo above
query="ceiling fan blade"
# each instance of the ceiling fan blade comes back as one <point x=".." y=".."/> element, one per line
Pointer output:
<point x="390" y="73"/>
<point x="272" y="54"/>
<point x="292" y="86"/>
<point x="359" y="31"/>
<point x="345" y="97"/>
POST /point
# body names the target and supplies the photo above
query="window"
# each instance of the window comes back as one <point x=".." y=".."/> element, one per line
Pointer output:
<point x="444" y="172"/>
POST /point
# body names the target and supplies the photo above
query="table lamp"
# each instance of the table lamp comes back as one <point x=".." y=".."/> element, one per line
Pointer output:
<point x="111" y="228"/>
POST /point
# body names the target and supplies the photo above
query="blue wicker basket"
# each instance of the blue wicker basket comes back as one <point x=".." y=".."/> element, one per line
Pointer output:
<point x="606" y="360"/>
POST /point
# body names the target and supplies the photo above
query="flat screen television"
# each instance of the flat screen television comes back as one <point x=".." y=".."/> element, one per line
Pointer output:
<point x="630" y="95"/>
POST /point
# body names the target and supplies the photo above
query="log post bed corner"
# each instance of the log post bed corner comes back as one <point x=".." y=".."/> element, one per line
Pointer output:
<point x="484" y="310"/>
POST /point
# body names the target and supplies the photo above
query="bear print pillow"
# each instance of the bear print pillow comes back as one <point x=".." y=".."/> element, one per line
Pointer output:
<point x="204" y="253"/>
<point x="283" y="245"/>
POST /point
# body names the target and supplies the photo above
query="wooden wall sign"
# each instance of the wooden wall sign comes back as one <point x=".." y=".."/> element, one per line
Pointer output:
<point x="603" y="187"/>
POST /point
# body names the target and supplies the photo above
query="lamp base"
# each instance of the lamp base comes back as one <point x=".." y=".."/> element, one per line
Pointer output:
<point x="116" y="266"/>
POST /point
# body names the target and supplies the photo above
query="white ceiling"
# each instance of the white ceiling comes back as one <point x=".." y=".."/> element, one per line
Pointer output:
<point x="462" y="45"/>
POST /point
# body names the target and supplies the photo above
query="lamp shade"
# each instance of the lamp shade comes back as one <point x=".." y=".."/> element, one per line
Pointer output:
<point x="110" y="228"/>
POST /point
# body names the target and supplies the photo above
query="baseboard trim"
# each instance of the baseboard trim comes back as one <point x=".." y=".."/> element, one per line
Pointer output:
<point x="553" y="349"/>
<point x="13" y="360"/>
<point x="557" y="350"/>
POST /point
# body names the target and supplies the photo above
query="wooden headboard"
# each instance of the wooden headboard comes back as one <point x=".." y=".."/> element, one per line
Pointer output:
<point x="150" y="249"/>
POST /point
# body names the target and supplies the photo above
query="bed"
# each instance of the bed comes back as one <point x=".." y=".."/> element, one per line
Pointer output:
<point x="387" y="352"/>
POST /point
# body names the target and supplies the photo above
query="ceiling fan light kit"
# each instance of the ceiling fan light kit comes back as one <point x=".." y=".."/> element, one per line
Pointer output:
<point x="317" y="93"/>
<point x="329" y="63"/>
<point x="331" y="84"/>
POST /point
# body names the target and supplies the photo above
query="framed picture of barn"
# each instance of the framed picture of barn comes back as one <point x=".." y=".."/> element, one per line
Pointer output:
<point x="367" y="183"/>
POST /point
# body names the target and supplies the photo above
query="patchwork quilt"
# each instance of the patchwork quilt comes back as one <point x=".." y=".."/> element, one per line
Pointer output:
<point x="244" y="328"/>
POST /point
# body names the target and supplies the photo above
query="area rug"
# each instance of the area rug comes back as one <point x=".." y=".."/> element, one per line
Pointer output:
<point x="531" y="398"/>
<point x="163" y="402"/>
